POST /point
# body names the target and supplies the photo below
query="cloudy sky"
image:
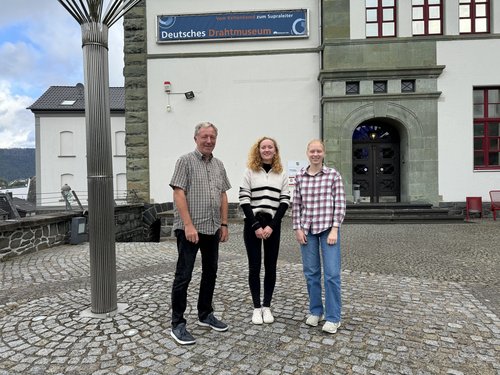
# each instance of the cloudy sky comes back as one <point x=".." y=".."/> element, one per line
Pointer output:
<point x="40" y="46"/>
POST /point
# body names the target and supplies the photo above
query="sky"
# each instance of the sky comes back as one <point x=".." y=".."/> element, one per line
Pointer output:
<point x="41" y="46"/>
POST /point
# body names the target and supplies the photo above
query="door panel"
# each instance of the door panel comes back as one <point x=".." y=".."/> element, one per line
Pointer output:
<point x="376" y="170"/>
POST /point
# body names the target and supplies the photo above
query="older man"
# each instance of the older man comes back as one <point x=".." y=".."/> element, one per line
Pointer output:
<point x="200" y="222"/>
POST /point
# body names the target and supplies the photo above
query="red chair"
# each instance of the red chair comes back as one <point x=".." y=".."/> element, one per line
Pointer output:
<point x="495" y="202"/>
<point x="473" y="205"/>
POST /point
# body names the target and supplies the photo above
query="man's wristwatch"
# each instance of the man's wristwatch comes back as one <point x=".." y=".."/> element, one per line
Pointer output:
<point x="223" y="225"/>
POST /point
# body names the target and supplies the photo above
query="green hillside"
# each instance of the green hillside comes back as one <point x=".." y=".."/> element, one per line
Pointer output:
<point x="17" y="163"/>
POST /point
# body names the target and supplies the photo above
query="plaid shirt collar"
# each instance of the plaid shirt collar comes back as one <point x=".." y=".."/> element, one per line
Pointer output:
<point x="323" y="170"/>
<point x="200" y="156"/>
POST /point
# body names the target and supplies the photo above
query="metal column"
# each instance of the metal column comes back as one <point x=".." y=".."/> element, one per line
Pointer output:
<point x="94" y="25"/>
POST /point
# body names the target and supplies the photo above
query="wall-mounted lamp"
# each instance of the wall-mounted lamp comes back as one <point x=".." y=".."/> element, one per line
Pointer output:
<point x="167" y="86"/>
<point x="372" y="135"/>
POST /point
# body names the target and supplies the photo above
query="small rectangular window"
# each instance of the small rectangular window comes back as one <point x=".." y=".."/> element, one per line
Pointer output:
<point x="474" y="16"/>
<point x="379" y="87"/>
<point x="427" y="17"/>
<point x="352" y="88"/>
<point x="407" y="85"/>
<point x="380" y="18"/>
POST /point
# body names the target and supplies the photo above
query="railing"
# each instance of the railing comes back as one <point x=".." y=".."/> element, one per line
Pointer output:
<point x="76" y="198"/>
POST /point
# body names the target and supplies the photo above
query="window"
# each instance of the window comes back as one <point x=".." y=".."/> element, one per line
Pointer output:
<point x="487" y="128"/>
<point x="380" y="18"/>
<point x="352" y="88"/>
<point x="474" y="16"/>
<point x="121" y="186"/>
<point x="120" y="143"/>
<point x="66" y="144"/>
<point x="427" y="17"/>
<point x="379" y="87"/>
<point x="407" y="85"/>
<point x="67" y="179"/>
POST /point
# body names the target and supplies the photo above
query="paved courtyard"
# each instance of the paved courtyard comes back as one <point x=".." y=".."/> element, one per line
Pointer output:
<point x="418" y="299"/>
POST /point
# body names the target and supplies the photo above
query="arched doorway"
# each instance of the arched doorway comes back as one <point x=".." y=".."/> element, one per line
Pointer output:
<point x="376" y="161"/>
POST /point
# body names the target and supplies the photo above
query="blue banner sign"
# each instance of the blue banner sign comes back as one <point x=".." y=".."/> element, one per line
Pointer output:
<point x="233" y="26"/>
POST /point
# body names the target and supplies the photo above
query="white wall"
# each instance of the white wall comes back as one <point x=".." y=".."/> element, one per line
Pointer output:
<point x="469" y="63"/>
<point x="246" y="97"/>
<point x="53" y="165"/>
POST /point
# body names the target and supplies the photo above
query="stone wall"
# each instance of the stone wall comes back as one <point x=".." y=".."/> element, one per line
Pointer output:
<point x="129" y="223"/>
<point x="35" y="233"/>
<point x="136" y="103"/>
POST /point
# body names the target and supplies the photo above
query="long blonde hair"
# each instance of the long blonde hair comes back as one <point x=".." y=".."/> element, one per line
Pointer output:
<point x="255" y="160"/>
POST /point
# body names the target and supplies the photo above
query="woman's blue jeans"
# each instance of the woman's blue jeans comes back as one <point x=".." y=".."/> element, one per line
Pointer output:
<point x="311" y="261"/>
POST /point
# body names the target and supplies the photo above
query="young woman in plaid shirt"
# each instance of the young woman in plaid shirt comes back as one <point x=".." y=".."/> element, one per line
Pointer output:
<point x="318" y="210"/>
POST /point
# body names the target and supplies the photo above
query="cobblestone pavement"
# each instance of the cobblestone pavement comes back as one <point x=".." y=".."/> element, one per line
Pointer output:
<point x="418" y="299"/>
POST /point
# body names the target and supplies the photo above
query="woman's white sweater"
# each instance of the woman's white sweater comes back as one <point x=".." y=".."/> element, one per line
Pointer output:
<point x="264" y="191"/>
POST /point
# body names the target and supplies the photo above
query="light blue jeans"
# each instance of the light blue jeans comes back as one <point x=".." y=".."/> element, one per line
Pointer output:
<point x="311" y="262"/>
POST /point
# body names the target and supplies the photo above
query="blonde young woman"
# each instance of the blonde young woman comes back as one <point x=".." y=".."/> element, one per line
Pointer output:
<point x="264" y="198"/>
<point x="318" y="211"/>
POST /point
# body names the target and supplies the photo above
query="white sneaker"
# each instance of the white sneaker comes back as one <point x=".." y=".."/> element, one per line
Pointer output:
<point x="267" y="315"/>
<point x="331" y="327"/>
<point x="313" y="320"/>
<point x="257" y="316"/>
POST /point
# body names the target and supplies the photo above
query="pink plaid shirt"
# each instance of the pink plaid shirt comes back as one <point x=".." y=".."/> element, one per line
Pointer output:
<point x="318" y="201"/>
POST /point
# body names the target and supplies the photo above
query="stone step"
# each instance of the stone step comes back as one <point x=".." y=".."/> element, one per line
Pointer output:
<point x="398" y="212"/>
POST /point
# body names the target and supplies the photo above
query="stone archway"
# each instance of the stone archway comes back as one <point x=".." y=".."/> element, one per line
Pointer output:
<point x="418" y="143"/>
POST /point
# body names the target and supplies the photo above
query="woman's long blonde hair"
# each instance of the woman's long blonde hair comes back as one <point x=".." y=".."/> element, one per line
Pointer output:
<point x="255" y="161"/>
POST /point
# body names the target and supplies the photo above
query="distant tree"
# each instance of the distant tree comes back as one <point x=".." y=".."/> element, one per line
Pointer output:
<point x="17" y="163"/>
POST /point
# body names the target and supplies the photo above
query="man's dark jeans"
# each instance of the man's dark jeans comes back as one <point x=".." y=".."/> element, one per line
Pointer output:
<point x="209" y="248"/>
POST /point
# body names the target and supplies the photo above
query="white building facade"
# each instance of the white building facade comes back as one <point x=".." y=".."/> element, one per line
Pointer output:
<point x="405" y="94"/>
<point x="61" y="144"/>
<point x="248" y="88"/>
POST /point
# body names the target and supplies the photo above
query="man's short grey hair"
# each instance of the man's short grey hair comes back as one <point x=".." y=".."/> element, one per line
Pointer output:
<point x="204" y="125"/>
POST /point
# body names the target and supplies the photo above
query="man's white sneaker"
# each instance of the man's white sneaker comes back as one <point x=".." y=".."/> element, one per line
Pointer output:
<point x="257" y="316"/>
<point x="267" y="315"/>
<point x="313" y="320"/>
<point x="331" y="327"/>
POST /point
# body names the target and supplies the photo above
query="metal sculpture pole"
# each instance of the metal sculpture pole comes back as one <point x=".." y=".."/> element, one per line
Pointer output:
<point x="95" y="25"/>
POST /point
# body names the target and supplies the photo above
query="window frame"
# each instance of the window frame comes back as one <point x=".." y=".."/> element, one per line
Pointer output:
<point x="426" y="7"/>
<point x="485" y="138"/>
<point x="380" y="19"/>
<point x="473" y="17"/>
<point x="380" y="86"/>
<point x="355" y="88"/>
<point x="66" y="144"/>
<point x="406" y="83"/>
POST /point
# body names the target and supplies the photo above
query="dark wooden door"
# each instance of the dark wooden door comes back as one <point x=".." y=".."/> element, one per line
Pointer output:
<point x="376" y="170"/>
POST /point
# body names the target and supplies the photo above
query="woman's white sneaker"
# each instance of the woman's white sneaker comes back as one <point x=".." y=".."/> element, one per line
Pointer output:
<point x="267" y="315"/>
<point x="331" y="327"/>
<point x="313" y="320"/>
<point x="257" y="316"/>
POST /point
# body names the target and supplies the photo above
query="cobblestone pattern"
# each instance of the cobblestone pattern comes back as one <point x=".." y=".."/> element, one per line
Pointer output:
<point x="392" y="323"/>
